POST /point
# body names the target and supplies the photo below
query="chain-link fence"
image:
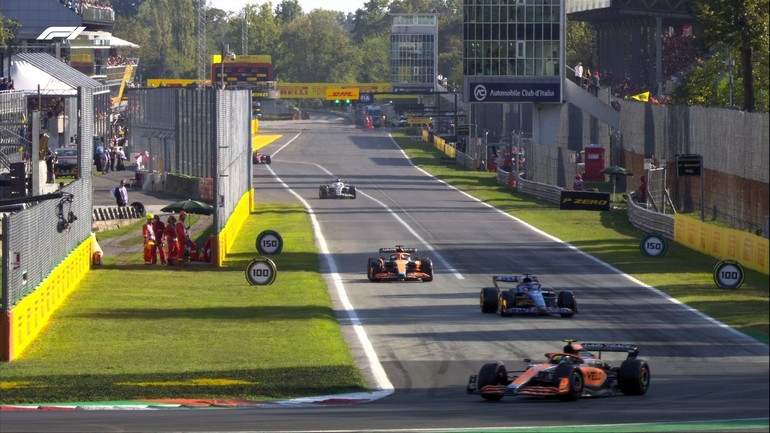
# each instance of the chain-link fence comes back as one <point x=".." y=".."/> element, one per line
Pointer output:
<point x="733" y="145"/>
<point x="204" y="133"/>
<point x="233" y="154"/>
<point x="13" y="133"/>
<point x="39" y="238"/>
<point x="734" y="148"/>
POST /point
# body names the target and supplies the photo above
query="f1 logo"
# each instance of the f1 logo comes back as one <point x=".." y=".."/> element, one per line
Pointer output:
<point x="60" y="32"/>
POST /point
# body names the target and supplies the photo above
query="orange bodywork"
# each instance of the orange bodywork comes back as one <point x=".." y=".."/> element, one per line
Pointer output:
<point x="400" y="269"/>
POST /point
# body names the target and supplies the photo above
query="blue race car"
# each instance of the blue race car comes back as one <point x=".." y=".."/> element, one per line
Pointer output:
<point x="523" y="294"/>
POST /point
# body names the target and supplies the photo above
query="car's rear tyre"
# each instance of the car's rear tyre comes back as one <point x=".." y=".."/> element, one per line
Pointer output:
<point x="426" y="266"/>
<point x="488" y="300"/>
<point x="567" y="300"/>
<point x="576" y="382"/>
<point x="492" y="373"/>
<point x="323" y="191"/>
<point x="634" y="377"/>
<point x="375" y="267"/>
<point x="267" y="159"/>
<point x="352" y="191"/>
<point x="507" y="300"/>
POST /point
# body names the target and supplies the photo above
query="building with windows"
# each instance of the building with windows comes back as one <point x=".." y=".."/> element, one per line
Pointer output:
<point x="414" y="52"/>
<point x="513" y="50"/>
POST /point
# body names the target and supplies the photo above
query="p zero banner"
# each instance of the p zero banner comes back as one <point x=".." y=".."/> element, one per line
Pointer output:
<point x="514" y="92"/>
<point x="583" y="200"/>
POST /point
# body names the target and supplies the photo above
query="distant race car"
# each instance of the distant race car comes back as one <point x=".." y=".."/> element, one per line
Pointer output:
<point x="568" y="375"/>
<point x="337" y="189"/>
<point x="399" y="264"/>
<point x="523" y="294"/>
<point x="260" y="158"/>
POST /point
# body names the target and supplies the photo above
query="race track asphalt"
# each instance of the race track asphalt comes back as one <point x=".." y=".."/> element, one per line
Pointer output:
<point x="429" y="337"/>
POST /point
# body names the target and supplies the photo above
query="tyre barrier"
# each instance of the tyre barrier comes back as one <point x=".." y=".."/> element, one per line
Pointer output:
<point x="117" y="212"/>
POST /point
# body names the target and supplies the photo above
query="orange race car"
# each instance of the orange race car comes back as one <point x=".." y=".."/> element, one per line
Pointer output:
<point x="399" y="264"/>
<point x="568" y="375"/>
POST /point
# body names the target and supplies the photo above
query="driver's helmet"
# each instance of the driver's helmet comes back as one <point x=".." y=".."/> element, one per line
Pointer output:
<point x="573" y="348"/>
<point x="526" y="280"/>
<point x="558" y="359"/>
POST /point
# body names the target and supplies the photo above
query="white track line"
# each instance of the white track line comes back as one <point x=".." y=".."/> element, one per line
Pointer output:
<point x="594" y="259"/>
<point x="378" y="372"/>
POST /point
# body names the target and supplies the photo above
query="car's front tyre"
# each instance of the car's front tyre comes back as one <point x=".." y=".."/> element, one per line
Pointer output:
<point x="507" y="300"/>
<point x="567" y="300"/>
<point x="488" y="300"/>
<point x="493" y="373"/>
<point x="575" y="381"/>
<point x="375" y="267"/>
<point x="426" y="266"/>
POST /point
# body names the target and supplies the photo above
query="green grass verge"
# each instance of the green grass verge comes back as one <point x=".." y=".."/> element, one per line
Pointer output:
<point x="682" y="273"/>
<point x="137" y="332"/>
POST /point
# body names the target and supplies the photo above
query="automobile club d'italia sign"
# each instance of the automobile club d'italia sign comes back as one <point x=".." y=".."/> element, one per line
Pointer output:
<point x="515" y="92"/>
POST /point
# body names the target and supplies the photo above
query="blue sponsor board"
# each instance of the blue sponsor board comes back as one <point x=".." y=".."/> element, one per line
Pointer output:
<point x="515" y="92"/>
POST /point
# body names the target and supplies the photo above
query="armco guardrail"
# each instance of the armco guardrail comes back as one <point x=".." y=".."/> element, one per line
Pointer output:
<point x="650" y="221"/>
<point x="542" y="191"/>
<point x="752" y="253"/>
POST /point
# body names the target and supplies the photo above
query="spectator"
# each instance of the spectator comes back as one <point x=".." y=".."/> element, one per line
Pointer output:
<point x="579" y="73"/>
<point x="158" y="227"/>
<point x="577" y="185"/>
<point x="50" y="161"/>
<point x="121" y="194"/>
<point x="595" y="84"/>
<point x="169" y="236"/>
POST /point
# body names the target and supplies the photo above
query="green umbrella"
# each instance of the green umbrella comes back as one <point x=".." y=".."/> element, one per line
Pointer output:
<point x="190" y="206"/>
<point x="616" y="171"/>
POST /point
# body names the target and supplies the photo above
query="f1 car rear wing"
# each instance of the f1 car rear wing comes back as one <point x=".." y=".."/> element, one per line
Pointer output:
<point x="631" y="349"/>
<point x="514" y="278"/>
<point x="398" y="249"/>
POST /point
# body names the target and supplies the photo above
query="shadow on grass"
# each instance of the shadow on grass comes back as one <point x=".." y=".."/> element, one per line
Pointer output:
<point x="253" y="384"/>
<point x="250" y="313"/>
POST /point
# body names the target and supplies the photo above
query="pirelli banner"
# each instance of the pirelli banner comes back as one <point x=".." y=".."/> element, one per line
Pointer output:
<point x="583" y="200"/>
<point x="319" y="90"/>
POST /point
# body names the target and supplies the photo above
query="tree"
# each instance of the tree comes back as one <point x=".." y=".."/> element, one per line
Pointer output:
<point x="8" y="30"/>
<point x="371" y="20"/>
<point x="376" y="64"/>
<point x="450" y="42"/>
<point x="739" y="24"/>
<point x="707" y="83"/>
<point x="126" y="8"/>
<point x="287" y="11"/>
<point x="169" y="49"/>
<point x="580" y="45"/>
<point x="264" y="30"/>
<point x="315" y="48"/>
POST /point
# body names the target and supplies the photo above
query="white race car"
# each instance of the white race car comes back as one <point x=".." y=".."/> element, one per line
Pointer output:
<point x="337" y="189"/>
